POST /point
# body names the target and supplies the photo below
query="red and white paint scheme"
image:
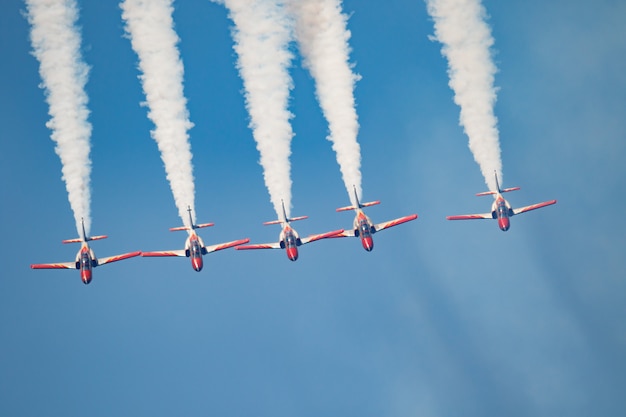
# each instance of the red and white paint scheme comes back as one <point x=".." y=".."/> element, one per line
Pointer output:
<point x="501" y="210"/>
<point x="86" y="259"/>
<point x="364" y="228"/>
<point x="289" y="238"/>
<point x="194" y="246"/>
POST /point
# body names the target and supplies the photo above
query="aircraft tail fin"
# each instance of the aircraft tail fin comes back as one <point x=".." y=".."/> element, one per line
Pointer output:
<point x="358" y="203"/>
<point x="84" y="237"/>
<point x="192" y="225"/>
<point x="506" y="190"/>
<point x="285" y="218"/>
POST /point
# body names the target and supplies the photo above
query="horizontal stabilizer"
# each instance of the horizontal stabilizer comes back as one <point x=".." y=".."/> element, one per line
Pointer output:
<point x="506" y="190"/>
<point x="109" y="259"/>
<point x="195" y="226"/>
<point x="272" y="222"/>
<point x="291" y="219"/>
<point x="361" y="205"/>
<point x="89" y="239"/>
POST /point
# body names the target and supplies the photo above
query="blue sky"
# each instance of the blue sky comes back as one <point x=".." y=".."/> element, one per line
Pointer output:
<point x="441" y="319"/>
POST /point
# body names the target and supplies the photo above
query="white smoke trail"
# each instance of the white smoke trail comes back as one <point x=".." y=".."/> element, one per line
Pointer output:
<point x="460" y="26"/>
<point x="262" y="34"/>
<point x="56" y="45"/>
<point x="321" y="32"/>
<point x="150" y="27"/>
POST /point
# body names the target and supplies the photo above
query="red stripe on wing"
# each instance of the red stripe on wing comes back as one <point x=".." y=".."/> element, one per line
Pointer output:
<point x="391" y="223"/>
<point x="470" y="217"/>
<point x="259" y="246"/>
<point x="313" y="238"/>
<point x="161" y="253"/>
<point x="54" y="266"/>
<point x="215" y="248"/>
<point x="534" y="207"/>
<point x="116" y="258"/>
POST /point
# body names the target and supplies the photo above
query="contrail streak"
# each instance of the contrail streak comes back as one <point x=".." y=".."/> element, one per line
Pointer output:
<point x="460" y="26"/>
<point x="56" y="45"/>
<point x="262" y="34"/>
<point x="322" y="34"/>
<point x="150" y="27"/>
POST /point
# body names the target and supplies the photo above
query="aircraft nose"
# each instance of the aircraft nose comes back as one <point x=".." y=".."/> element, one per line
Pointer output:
<point x="504" y="224"/>
<point x="292" y="254"/>
<point x="86" y="278"/>
<point x="196" y="264"/>
<point x="368" y="243"/>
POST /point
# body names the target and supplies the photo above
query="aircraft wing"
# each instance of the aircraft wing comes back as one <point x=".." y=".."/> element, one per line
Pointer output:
<point x="165" y="253"/>
<point x="345" y="233"/>
<point x="533" y="207"/>
<point x="313" y="238"/>
<point x="471" y="216"/>
<point x="214" y="248"/>
<point x="259" y="246"/>
<point x="109" y="259"/>
<point x="382" y="226"/>
<point x="61" y="265"/>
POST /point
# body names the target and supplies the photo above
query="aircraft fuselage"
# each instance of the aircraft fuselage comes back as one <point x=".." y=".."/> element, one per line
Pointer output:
<point x="85" y="263"/>
<point x="194" y="252"/>
<point x="363" y="230"/>
<point x="290" y="242"/>
<point x="501" y="210"/>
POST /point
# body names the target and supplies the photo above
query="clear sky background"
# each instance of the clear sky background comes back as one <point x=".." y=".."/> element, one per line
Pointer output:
<point x="441" y="319"/>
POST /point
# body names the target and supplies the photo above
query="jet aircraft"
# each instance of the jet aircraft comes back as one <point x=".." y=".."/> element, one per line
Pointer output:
<point x="289" y="238"/>
<point x="364" y="228"/>
<point x="86" y="259"/>
<point x="194" y="246"/>
<point x="501" y="209"/>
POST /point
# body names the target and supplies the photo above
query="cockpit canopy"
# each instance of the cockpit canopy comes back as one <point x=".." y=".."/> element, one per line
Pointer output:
<point x="85" y="261"/>
<point x="364" y="228"/>
<point x="502" y="209"/>
<point x="290" y="240"/>
<point x="195" y="249"/>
